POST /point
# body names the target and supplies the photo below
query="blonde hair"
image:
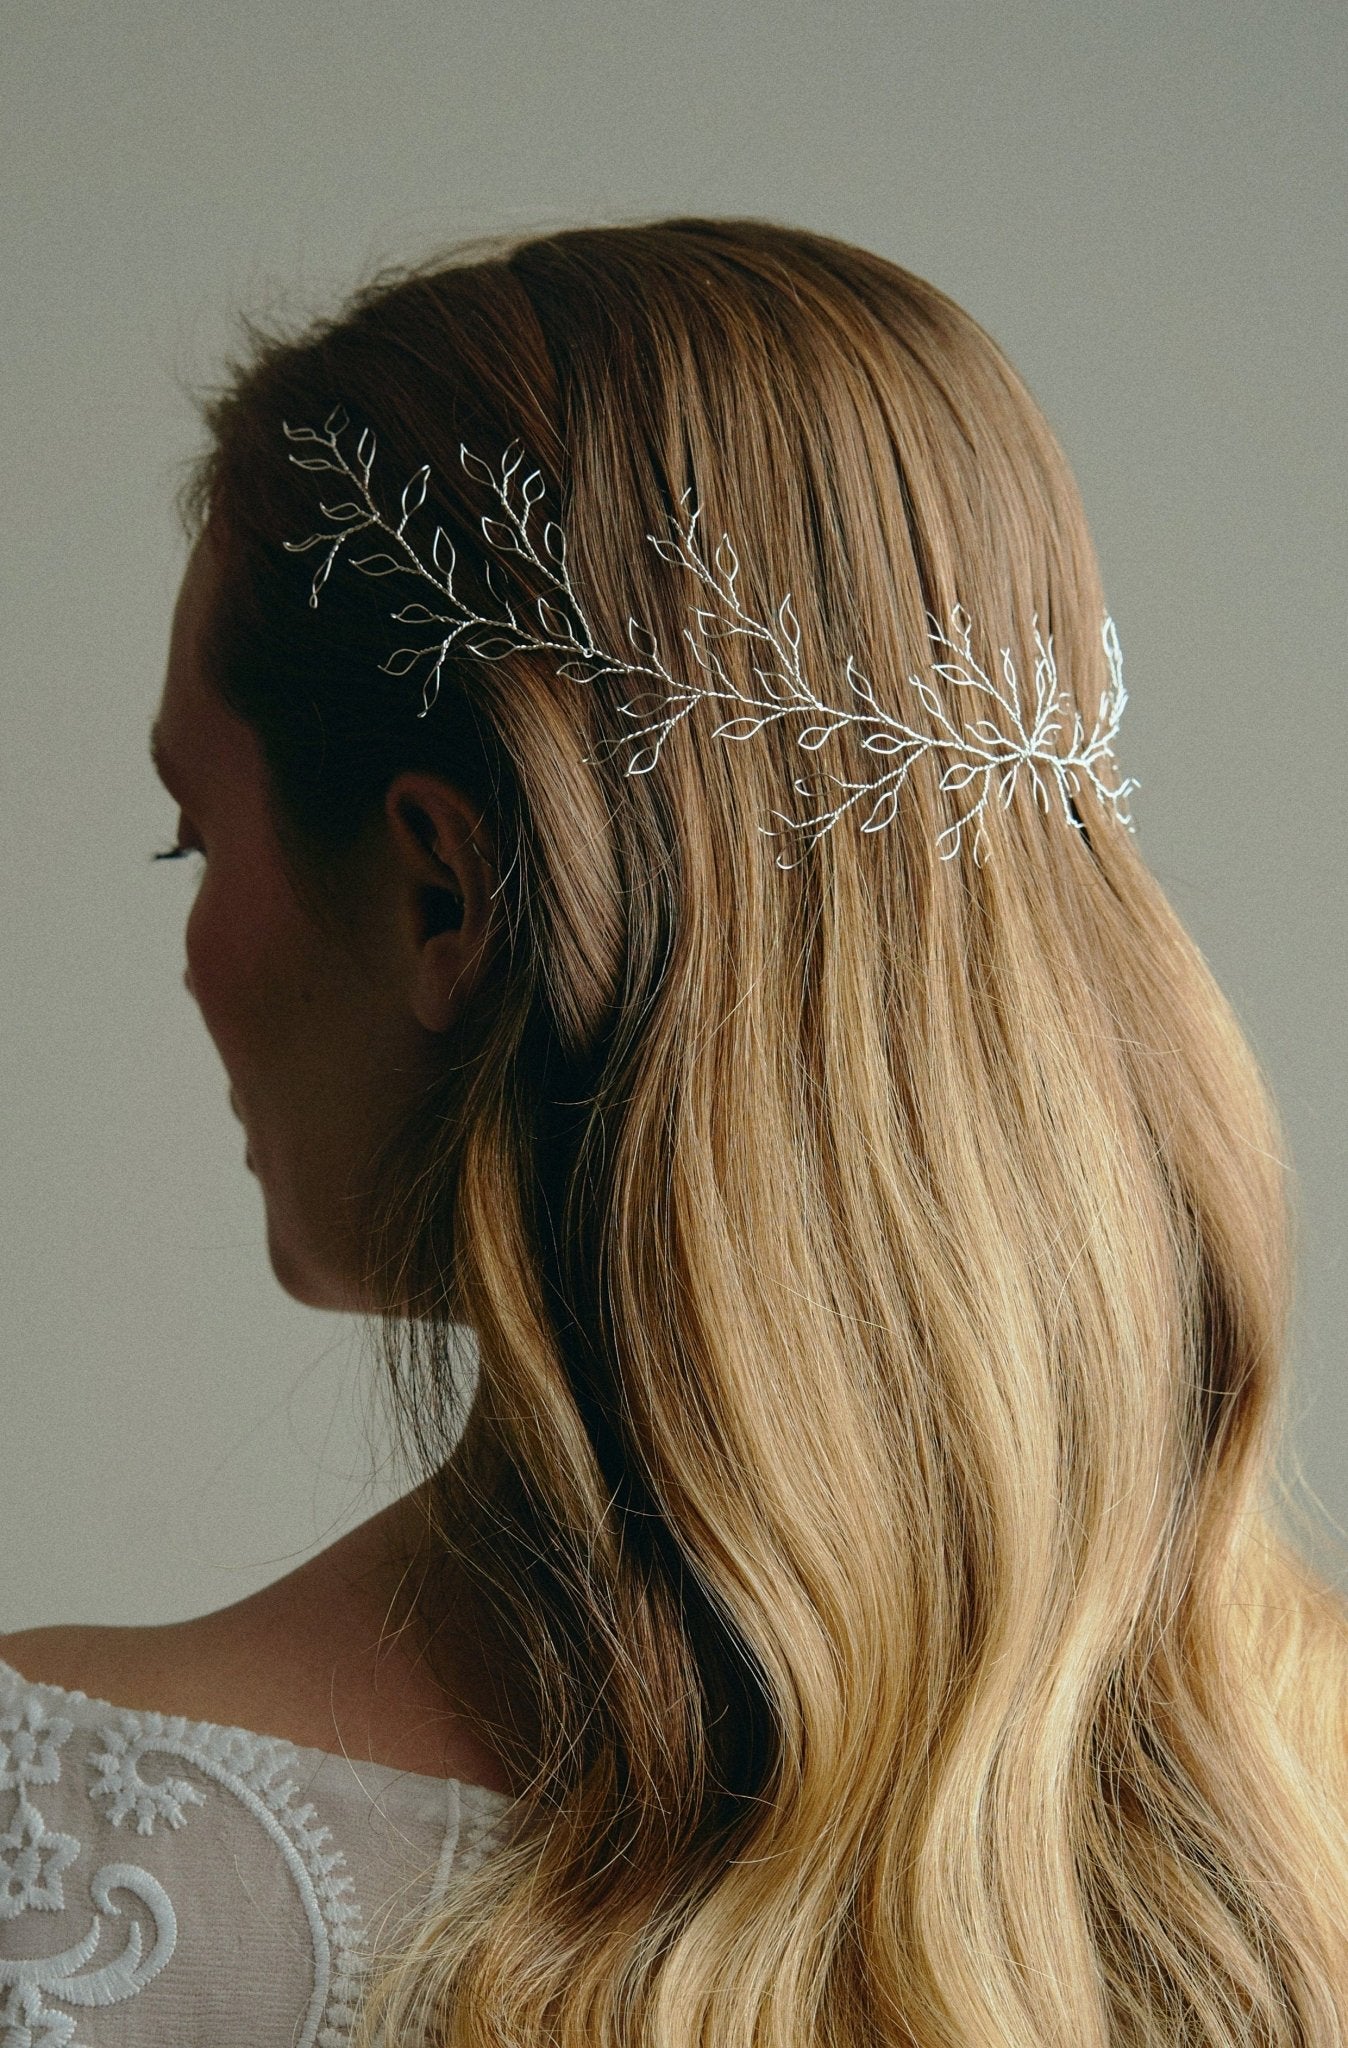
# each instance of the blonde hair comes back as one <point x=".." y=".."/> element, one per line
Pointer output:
<point x="880" y="1269"/>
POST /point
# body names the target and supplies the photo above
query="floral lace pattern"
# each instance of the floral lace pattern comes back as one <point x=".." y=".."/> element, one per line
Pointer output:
<point x="136" y="1777"/>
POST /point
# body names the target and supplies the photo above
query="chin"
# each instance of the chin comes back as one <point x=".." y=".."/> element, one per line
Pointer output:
<point x="307" y="1280"/>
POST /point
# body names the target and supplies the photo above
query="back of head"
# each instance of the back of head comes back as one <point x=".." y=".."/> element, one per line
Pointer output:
<point x="870" y="1213"/>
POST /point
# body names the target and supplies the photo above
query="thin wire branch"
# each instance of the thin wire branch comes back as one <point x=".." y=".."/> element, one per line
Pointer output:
<point x="983" y="756"/>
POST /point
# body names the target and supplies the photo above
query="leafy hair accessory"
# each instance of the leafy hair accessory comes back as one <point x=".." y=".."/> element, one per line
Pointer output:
<point x="984" y="758"/>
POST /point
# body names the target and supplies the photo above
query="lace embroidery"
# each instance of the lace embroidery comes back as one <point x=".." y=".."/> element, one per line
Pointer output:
<point x="251" y="1769"/>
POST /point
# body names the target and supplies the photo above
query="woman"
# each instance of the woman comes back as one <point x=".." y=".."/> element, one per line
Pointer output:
<point x="645" y="702"/>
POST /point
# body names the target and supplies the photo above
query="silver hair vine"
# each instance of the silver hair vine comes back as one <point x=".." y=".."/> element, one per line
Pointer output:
<point x="983" y="758"/>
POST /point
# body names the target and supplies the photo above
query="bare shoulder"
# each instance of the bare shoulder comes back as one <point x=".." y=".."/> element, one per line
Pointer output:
<point x="264" y="1662"/>
<point x="310" y="1658"/>
<point x="105" y="1662"/>
<point x="238" y="1667"/>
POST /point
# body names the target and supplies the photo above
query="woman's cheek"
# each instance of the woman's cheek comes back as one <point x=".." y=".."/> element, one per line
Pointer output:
<point x="212" y="966"/>
<point x="243" y="958"/>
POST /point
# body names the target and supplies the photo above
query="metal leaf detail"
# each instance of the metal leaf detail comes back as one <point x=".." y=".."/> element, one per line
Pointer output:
<point x="981" y="756"/>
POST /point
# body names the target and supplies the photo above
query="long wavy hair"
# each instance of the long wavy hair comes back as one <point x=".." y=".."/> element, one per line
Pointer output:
<point x="880" y="1264"/>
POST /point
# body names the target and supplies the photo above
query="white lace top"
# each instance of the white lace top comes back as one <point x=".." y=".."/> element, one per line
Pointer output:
<point x="176" y="1884"/>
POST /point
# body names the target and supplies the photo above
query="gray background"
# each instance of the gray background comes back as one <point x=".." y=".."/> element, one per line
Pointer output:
<point x="1143" y="203"/>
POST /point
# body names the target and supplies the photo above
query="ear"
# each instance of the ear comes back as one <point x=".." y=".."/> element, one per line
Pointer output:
<point x="444" y="873"/>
